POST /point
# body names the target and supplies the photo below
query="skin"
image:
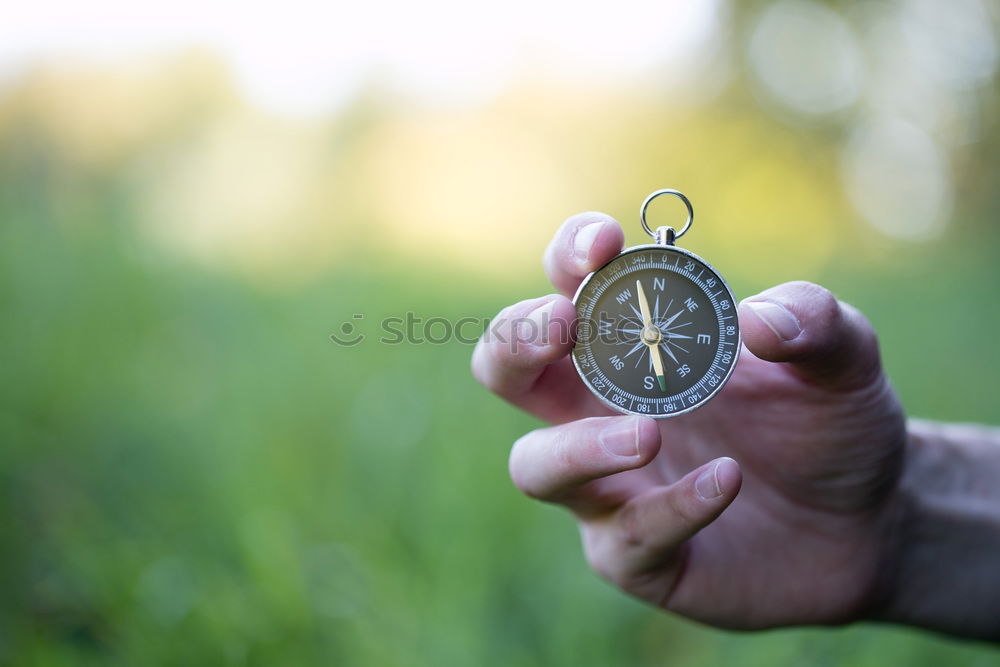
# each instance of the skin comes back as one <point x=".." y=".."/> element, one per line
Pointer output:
<point x="782" y="501"/>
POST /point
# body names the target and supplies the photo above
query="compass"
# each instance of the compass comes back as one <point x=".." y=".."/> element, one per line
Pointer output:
<point x="657" y="328"/>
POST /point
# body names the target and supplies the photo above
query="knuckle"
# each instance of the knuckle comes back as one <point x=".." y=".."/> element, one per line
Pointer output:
<point x="530" y="476"/>
<point x="863" y="328"/>
<point x="522" y="483"/>
<point x="863" y="349"/>
<point x="604" y="568"/>
<point x="807" y="287"/>
<point x="539" y="476"/>
<point x="484" y="368"/>
<point x="480" y="362"/>
<point x="500" y="345"/>
<point x="601" y="557"/>
<point x="827" y="307"/>
<point x="550" y="254"/>
<point x="516" y="466"/>
<point x="630" y="529"/>
<point x="820" y="301"/>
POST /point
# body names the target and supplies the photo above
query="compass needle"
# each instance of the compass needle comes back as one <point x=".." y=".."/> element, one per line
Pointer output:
<point x="651" y="336"/>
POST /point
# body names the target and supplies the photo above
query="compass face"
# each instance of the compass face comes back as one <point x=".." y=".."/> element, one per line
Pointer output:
<point x="657" y="332"/>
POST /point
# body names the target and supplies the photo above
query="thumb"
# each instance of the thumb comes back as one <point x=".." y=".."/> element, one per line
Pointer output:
<point x="822" y="339"/>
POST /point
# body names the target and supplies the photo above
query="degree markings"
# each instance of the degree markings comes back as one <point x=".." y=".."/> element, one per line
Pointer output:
<point x="611" y="388"/>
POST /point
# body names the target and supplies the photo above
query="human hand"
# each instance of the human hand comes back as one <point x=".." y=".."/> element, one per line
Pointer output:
<point x="808" y="432"/>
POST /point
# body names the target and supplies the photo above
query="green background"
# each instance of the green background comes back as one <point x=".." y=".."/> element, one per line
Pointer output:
<point x="192" y="472"/>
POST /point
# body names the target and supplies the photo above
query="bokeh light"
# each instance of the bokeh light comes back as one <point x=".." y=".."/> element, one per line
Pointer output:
<point x="806" y="57"/>
<point x="898" y="179"/>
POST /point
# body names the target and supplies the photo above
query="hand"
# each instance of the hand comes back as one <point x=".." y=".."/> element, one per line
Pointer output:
<point x="768" y="506"/>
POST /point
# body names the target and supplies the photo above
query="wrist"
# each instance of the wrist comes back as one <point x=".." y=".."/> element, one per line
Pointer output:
<point x="943" y="533"/>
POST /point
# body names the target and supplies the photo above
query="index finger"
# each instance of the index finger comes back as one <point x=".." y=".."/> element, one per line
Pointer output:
<point x="584" y="243"/>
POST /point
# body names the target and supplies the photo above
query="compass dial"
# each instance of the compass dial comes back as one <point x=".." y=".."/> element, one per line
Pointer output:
<point x="657" y="333"/>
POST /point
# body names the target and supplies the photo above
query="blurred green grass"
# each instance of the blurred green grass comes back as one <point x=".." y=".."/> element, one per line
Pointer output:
<point x="193" y="473"/>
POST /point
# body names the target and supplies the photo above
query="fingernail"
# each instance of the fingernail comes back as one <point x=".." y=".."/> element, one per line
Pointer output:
<point x="584" y="239"/>
<point x="534" y="329"/>
<point x="707" y="484"/>
<point x="777" y="318"/>
<point x="621" y="438"/>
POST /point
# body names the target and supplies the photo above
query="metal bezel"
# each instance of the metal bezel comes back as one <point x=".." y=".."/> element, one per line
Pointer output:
<point x="738" y="342"/>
